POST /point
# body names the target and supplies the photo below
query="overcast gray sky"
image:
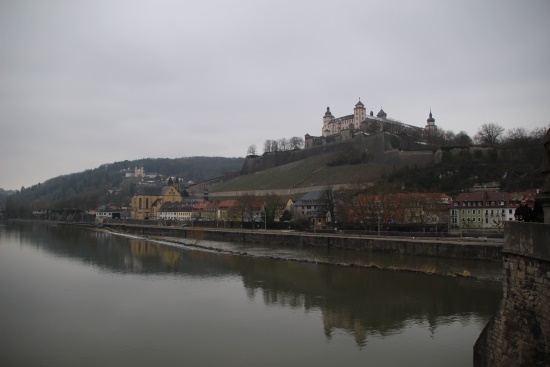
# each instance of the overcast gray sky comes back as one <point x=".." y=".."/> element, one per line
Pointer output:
<point x="88" y="82"/>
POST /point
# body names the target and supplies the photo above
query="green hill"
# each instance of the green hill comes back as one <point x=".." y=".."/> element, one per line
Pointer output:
<point x="308" y="172"/>
<point x="447" y="169"/>
<point x="107" y="184"/>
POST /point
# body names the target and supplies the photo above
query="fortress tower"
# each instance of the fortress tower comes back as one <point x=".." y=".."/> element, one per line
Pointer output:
<point x="359" y="114"/>
<point x="326" y="119"/>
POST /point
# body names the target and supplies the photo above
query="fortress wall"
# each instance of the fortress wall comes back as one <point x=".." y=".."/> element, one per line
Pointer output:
<point x="519" y="333"/>
<point x="373" y="144"/>
<point x="280" y="192"/>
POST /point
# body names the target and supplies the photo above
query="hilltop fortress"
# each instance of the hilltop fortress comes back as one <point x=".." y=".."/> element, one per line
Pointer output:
<point x="346" y="127"/>
<point x="359" y="138"/>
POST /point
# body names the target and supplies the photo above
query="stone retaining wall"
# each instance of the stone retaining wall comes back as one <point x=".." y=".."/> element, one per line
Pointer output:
<point x="519" y="334"/>
<point x="407" y="246"/>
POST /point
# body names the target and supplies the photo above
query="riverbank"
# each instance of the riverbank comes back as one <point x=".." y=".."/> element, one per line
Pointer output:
<point x="416" y="255"/>
<point x="423" y="267"/>
<point x="466" y="248"/>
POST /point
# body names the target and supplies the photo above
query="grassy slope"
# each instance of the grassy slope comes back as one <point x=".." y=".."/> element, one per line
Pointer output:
<point x="312" y="171"/>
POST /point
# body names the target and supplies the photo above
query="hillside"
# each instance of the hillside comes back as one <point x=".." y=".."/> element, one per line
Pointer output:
<point x="107" y="184"/>
<point x="378" y="160"/>
<point x="308" y="172"/>
<point x="448" y="169"/>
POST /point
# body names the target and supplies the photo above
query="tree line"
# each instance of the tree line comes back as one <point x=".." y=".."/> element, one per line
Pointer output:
<point x="279" y="145"/>
<point x="488" y="134"/>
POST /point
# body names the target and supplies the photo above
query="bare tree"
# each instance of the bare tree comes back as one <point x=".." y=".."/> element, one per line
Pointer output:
<point x="498" y="224"/>
<point x="361" y="209"/>
<point x="462" y="138"/>
<point x="329" y="202"/>
<point x="251" y="150"/>
<point x="271" y="206"/>
<point x="268" y="146"/>
<point x="284" y="144"/>
<point x="537" y="134"/>
<point x="373" y="127"/>
<point x="296" y="143"/>
<point x="247" y="204"/>
<point x="274" y="146"/>
<point x="489" y="134"/>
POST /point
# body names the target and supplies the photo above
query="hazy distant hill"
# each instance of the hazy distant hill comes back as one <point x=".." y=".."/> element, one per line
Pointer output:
<point x="107" y="184"/>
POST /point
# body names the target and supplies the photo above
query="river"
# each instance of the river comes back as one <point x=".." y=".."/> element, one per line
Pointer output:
<point x="73" y="297"/>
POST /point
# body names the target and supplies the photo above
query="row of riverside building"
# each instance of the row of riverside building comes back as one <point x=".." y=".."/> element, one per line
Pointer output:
<point x="469" y="210"/>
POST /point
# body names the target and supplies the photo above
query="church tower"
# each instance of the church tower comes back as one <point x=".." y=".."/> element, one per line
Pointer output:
<point x="359" y="114"/>
<point x="430" y="123"/>
<point x="430" y="129"/>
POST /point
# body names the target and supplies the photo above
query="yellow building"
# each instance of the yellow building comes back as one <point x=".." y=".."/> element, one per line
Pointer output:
<point x="147" y="201"/>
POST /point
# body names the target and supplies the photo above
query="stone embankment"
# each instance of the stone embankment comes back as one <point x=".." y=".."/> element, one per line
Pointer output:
<point x="459" y="249"/>
<point x="519" y="334"/>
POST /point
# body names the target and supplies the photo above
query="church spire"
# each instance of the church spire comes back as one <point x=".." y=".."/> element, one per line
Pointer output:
<point x="430" y="120"/>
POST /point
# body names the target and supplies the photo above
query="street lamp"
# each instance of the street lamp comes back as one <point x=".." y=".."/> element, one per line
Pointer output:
<point x="380" y="213"/>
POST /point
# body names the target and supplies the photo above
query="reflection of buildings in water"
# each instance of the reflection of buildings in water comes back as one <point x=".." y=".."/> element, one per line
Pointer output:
<point x="142" y="249"/>
<point x="344" y="321"/>
<point x="284" y="298"/>
<point x="358" y="302"/>
<point x="364" y="302"/>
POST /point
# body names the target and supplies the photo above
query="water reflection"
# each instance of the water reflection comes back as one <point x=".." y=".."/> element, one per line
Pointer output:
<point x="359" y="302"/>
<point x="363" y="301"/>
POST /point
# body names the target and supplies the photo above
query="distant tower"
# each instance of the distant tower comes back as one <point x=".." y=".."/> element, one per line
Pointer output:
<point x="430" y="123"/>
<point x="170" y="182"/>
<point x="430" y="129"/>
<point x="359" y="114"/>
<point x="327" y="118"/>
<point x="381" y="114"/>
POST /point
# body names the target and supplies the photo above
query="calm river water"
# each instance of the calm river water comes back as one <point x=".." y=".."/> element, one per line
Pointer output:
<point x="71" y="297"/>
